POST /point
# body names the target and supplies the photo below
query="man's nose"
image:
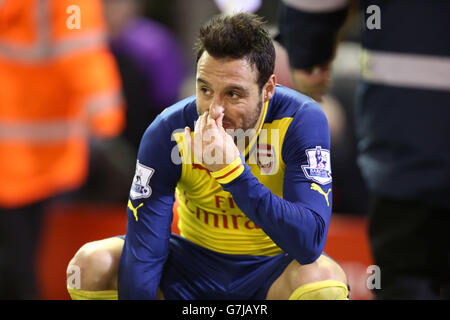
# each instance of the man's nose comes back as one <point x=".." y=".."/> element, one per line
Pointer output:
<point x="216" y="109"/>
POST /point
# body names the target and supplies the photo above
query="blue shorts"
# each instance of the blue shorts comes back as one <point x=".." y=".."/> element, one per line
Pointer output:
<point x="192" y="272"/>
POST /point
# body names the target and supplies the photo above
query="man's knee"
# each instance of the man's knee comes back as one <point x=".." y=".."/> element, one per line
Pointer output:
<point x="323" y="279"/>
<point x="96" y="264"/>
<point x="324" y="268"/>
<point x="317" y="276"/>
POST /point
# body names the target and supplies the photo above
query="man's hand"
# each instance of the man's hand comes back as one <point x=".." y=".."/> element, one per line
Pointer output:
<point x="213" y="147"/>
<point x="313" y="83"/>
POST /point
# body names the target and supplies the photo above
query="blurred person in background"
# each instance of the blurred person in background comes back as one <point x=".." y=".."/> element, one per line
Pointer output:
<point x="59" y="85"/>
<point x="152" y="67"/>
<point x="349" y="190"/>
<point x="151" y="63"/>
<point x="401" y="118"/>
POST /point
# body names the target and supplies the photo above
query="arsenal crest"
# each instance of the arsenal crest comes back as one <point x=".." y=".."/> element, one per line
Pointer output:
<point x="265" y="158"/>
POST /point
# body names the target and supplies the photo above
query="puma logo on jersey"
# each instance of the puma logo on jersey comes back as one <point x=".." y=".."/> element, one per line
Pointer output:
<point x="130" y="205"/>
<point x="316" y="187"/>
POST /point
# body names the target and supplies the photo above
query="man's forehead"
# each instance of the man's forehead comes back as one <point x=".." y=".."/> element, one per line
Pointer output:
<point x="225" y="69"/>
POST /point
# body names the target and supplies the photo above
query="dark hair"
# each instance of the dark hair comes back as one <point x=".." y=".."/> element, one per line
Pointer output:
<point x="239" y="36"/>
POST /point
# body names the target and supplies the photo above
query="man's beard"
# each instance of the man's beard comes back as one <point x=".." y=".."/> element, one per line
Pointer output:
<point x="251" y="121"/>
<point x="245" y="133"/>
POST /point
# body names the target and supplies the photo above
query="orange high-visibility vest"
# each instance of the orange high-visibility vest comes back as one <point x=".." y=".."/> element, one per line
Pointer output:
<point x="58" y="84"/>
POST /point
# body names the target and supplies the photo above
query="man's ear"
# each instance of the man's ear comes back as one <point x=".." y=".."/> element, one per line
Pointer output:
<point x="269" y="88"/>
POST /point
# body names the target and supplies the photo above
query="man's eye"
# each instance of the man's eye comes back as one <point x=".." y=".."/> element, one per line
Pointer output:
<point x="234" y="94"/>
<point x="205" y="91"/>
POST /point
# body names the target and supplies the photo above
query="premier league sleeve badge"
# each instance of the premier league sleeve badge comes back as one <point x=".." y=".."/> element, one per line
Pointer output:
<point x="140" y="188"/>
<point x="318" y="168"/>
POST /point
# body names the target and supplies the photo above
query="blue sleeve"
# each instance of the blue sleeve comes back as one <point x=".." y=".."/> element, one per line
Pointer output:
<point x="299" y="222"/>
<point x="309" y="37"/>
<point x="149" y="214"/>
